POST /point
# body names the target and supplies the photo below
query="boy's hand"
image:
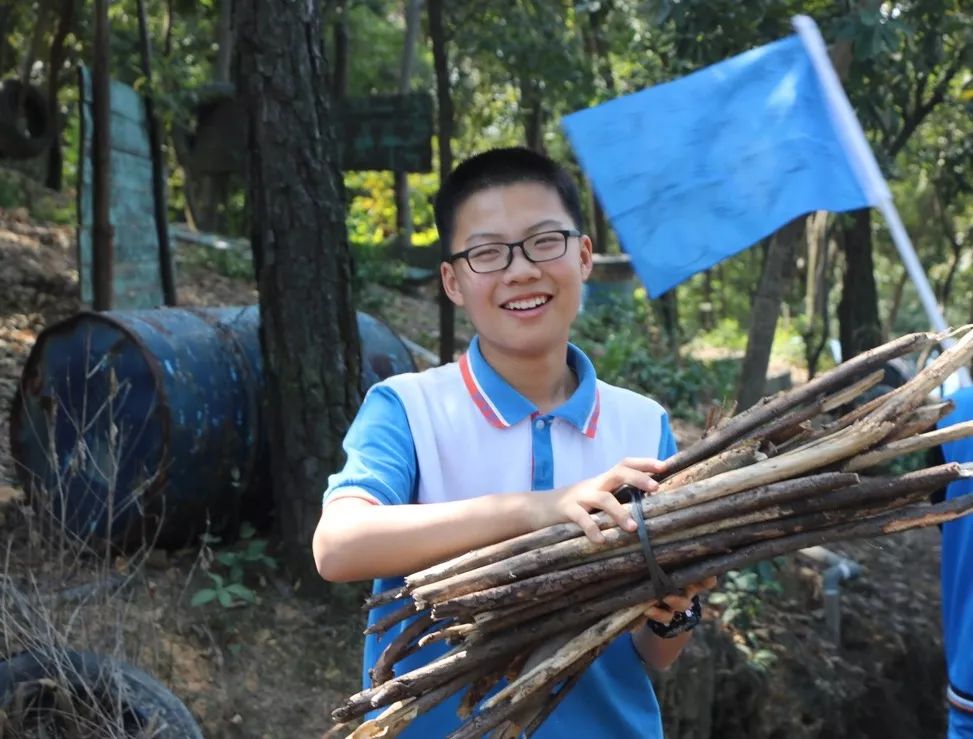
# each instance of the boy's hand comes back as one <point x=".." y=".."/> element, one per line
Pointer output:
<point x="576" y="502"/>
<point x="681" y="601"/>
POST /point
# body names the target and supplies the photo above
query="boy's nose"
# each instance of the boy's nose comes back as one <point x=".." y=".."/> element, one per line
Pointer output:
<point x="520" y="267"/>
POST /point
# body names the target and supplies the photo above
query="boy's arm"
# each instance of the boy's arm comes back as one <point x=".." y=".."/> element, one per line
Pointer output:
<point x="655" y="651"/>
<point x="357" y="539"/>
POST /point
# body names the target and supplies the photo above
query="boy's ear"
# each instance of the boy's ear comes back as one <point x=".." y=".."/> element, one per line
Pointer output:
<point x="585" y="254"/>
<point x="450" y="284"/>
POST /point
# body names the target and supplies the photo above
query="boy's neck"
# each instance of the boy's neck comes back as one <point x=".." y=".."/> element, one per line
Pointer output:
<point x="545" y="380"/>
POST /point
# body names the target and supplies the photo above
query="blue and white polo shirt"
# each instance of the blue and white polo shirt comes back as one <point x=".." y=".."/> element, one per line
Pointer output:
<point x="957" y="567"/>
<point x="460" y="431"/>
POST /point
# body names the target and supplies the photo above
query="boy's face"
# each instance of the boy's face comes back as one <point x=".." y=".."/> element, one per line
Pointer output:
<point x="525" y="310"/>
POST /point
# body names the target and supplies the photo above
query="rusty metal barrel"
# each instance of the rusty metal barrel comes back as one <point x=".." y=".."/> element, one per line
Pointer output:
<point x="149" y="423"/>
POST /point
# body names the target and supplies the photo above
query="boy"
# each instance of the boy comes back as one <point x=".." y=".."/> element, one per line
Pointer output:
<point x="516" y="436"/>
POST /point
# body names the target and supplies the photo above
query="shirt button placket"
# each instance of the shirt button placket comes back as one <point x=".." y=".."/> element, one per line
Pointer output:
<point x="543" y="468"/>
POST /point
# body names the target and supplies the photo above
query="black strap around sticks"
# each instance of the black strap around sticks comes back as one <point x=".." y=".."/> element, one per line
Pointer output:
<point x="663" y="582"/>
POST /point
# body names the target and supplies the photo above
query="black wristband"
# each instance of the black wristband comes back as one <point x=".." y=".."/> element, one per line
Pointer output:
<point x="682" y="621"/>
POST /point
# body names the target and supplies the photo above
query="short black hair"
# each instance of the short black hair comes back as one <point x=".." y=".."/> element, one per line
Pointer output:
<point x="496" y="168"/>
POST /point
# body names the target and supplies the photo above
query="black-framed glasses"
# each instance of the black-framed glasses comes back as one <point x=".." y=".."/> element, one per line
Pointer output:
<point x="494" y="257"/>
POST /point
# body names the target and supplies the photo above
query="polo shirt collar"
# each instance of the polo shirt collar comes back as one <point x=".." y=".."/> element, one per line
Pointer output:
<point x="502" y="406"/>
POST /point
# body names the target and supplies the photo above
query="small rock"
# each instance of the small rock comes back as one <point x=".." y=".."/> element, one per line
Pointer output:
<point x="10" y="495"/>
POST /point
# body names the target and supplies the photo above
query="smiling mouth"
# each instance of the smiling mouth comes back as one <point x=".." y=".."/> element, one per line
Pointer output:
<point x="526" y="303"/>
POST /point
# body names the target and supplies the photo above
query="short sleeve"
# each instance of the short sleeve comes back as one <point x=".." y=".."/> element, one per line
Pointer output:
<point x="380" y="453"/>
<point x="667" y="442"/>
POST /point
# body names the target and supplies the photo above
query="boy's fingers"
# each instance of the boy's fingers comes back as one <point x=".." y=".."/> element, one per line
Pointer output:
<point x="662" y="615"/>
<point x="621" y="475"/>
<point x="644" y="464"/>
<point x="617" y="510"/>
<point x="588" y="525"/>
<point x="678" y="602"/>
<point x="698" y="587"/>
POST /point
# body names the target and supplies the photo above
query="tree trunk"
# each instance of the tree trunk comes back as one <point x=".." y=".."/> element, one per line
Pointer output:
<point x="159" y="199"/>
<point x="893" y="313"/>
<point x="102" y="233"/>
<point x="859" y="324"/>
<point x="339" y="78"/>
<point x="55" y="158"/>
<point x="598" y="53"/>
<point x="532" y="110"/>
<point x="403" y="213"/>
<point x="444" y="104"/>
<point x="224" y="39"/>
<point x="777" y="273"/>
<point x="303" y="265"/>
<point x="815" y="334"/>
<point x="667" y="310"/>
<point x="599" y="224"/>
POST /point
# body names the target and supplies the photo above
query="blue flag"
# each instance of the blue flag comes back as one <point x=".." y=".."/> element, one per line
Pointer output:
<point x="695" y="170"/>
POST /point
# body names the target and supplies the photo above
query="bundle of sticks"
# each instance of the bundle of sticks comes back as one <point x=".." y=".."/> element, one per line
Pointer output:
<point x="786" y="474"/>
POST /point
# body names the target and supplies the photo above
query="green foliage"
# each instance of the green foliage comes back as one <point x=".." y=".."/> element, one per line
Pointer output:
<point x="627" y="351"/>
<point x="728" y="334"/>
<point x="247" y="558"/>
<point x="741" y="596"/>
<point x="741" y="592"/>
<point x="11" y="193"/>
<point x="226" y="594"/>
<point x="375" y="266"/>
<point x="233" y="261"/>
<point x="909" y="79"/>
<point x="371" y="208"/>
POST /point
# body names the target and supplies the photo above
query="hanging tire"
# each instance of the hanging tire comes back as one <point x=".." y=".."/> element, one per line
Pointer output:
<point x="66" y="688"/>
<point x="31" y="135"/>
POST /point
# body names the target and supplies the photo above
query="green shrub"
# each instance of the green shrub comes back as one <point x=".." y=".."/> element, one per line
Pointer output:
<point x="628" y="352"/>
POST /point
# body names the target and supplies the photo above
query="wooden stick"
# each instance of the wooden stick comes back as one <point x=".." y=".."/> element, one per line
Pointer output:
<point x="907" y="446"/>
<point x="565" y="552"/>
<point x="766" y="472"/>
<point x="384" y="598"/>
<point x="733" y="458"/>
<point x="388" y="621"/>
<point x="552" y="703"/>
<point x="783" y="429"/>
<point x="914" y="393"/>
<point x="544" y="675"/>
<point x="922" y="419"/>
<point x="775" y="407"/>
<point x="398" y="648"/>
<point x="869" y="492"/>
<point x="398" y="715"/>
<point x="724" y="535"/>
<point x="501" y="620"/>
<point x="462" y="661"/>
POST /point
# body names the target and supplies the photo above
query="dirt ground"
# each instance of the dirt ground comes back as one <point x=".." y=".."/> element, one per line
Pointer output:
<point x="274" y="669"/>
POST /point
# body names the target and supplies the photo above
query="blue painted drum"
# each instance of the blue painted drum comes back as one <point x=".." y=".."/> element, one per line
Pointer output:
<point x="137" y="424"/>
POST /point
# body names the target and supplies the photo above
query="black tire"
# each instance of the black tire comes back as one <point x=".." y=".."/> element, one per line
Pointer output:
<point x="144" y="702"/>
<point x="15" y="143"/>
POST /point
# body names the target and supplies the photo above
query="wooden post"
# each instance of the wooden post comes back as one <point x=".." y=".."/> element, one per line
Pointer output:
<point x="159" y="200"/>
<point x="102" y="236"/>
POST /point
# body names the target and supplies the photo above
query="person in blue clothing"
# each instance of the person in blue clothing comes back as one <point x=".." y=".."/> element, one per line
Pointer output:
<point x="517" y="435"/>
<point x="957" y="581"/>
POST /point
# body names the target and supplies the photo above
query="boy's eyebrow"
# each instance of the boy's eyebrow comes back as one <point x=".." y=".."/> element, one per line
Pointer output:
<point x="547" y="222"/>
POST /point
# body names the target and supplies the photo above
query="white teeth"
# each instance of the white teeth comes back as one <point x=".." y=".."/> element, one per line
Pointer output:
<point x="527" y="303"/>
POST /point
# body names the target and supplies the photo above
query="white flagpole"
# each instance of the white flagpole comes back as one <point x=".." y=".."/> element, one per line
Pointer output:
<point x="869" y="175"/>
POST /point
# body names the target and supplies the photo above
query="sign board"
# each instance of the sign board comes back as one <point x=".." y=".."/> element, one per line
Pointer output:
<point x="136" y="279"/>
<point x="382" y="132"/>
